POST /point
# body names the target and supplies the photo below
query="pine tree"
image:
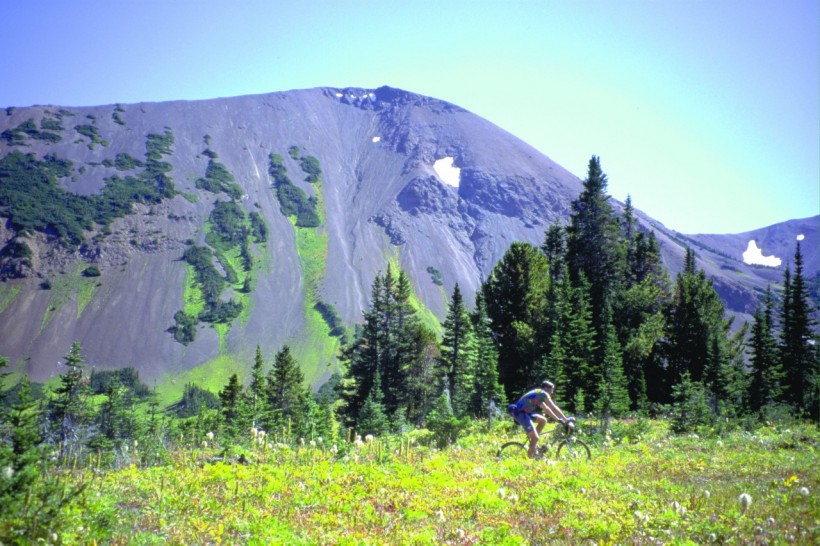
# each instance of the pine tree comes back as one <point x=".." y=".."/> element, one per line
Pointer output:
<point x="766" y="371"/>
<point x="570" y="364"/>
<point x="593" y="248"/>
<point x="372" y="418"/>
<point x="798" y="354"/>
<point x="456" y="362"/>
<point x="68" y="409"/>
<point x="285" y="390"/>
<point x="613" y="395"/>
<point x="695" y="321"/>
<point x="515" y="296"/>
<point x="256" y="390"/>
<point x="403" y="349"/>
<point x="422" y="385"/>
<point x="487" y="393"/>
<point x="230" y="399"/>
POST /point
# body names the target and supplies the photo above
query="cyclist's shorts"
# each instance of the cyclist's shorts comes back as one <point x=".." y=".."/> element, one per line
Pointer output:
<point x="525" y="420"/>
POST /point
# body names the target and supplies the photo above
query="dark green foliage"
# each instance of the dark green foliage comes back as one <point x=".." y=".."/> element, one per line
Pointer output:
<point x="293" y="151"/>
<point x="209" y="279"/>
<point x="310" y="165"/>
<point x="124" y="162"/>
<point x="16" y="249"/>
<point x="285" y="390"/>
<point x="487" y="394"/>
<point x="117" y="118"/>
<point x="230" y="401"/>
<point x="456" y="365"/>
<point x="515" y="296"/>
<point x="194" y="399"/>
<point x="294" y="202"/>
<point x="210" y="153"/>
<point x="17" y="136"/>
<point x="228" y="226"/>
<point x="91" y="271"/>
<point x="92" y="134"/>
<point x="184" y="328"/>
<point x="69" y="409"/>
<point x="101" y="382"/>
<point x="219" y="179"/>
<point x="48" y="124"/>
<point x="221" y="312"/>
<point x="331" y="317"/>
<point x="799" y="352"/>
<point x="435" y="275"/>
<point x="259" y="229"/>
<point x="33" y="201"/>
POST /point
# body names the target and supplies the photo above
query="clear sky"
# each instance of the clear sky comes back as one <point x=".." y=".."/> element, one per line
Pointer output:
<point x="706" y="112"/>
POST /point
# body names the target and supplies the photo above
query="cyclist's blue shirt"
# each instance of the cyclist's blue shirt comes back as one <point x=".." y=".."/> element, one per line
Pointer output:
<point x="531" y="401"/>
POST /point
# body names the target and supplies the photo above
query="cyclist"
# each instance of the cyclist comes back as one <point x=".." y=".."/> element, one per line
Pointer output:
<point x="524" y="412"/>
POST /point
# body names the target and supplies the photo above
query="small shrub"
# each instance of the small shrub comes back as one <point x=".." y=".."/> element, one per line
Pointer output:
<point x="91" y="271"/>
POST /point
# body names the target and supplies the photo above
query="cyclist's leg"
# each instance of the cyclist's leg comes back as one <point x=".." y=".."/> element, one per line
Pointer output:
<point x="541" y="420"/>
<point x="523" y="419"/>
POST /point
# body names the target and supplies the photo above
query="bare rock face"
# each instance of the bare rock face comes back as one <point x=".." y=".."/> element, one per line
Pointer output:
<point x="381" y="199"/>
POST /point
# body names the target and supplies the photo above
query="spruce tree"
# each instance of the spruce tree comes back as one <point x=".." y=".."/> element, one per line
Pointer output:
<point x="255" y="393"/>
<point x="766" y="371"/>
<point x="515" y="296"/>
<point x="230" y="399"/>
<point x="798" y="352"/>
<point x="593" y="248"/>
<point x="696" y="325"/>
<point x="285" y="390"/>
<point x="487" y="393"/>
<point x="68" y="408"/>
<point x="456" y="362"/>
<point x="613" y="395"/>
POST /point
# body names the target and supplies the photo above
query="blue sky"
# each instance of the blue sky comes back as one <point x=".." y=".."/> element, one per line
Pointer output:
<point x="706" y="112"/>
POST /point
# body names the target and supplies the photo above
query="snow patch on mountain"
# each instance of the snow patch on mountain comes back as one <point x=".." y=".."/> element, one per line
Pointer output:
<point x="445" y="170"/>
<point x="754" y="256"/>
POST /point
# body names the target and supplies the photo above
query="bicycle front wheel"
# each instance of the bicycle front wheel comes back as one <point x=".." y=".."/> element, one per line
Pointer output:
<point x="512" y="450"/>
<point x="572" y="448"/>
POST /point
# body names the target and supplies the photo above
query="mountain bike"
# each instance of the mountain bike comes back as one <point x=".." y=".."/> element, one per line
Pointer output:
<point x="566" y="444"/>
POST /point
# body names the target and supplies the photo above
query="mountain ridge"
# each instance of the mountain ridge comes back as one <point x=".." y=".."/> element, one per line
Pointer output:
<point x="383" y="200"/>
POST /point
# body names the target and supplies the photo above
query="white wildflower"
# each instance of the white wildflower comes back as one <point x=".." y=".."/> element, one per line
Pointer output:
<point x="706" y="493"/>
<point x="262" y="433"/>
<point x="513" y="497"/>
<point x="804" y="491"/>
<point x="8" y="472"/>
<point x="440" y="516"/>
<point x="712" y="537"/>
<point x="678" y="507"/>
<point x="745" y="501"/>
<point x="135" y="444"/>
<point x="319" y="440"/>
<point x="770" y="522"/>
<point x="210" y="436"/>
<point x="502" y="492"/>
<point x="334" y="449"/>
<point x="254" y="432"/>
<point x="204" y="443"/>
<point x="368" y="438"/>
<point x="301" y="441"/>
<point x="313" y="443"/>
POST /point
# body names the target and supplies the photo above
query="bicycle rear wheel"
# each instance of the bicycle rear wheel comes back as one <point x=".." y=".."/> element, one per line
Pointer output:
<point x="571" y="448"/>
<point x="512" y="450"/>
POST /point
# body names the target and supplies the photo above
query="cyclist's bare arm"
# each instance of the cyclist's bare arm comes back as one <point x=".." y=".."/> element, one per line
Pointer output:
<point x="553" y="411"/>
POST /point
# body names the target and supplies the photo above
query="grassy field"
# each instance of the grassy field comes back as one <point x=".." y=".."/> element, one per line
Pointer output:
<point x="642" y="486"/>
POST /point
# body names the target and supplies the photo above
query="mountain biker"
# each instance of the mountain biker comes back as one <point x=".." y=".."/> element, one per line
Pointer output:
<point x="524" y="412"/>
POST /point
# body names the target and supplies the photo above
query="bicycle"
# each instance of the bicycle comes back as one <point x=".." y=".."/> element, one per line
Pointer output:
<point x="567" y="445"/>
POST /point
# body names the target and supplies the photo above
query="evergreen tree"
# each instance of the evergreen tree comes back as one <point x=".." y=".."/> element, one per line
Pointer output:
<point x="372" y="418"/>
<point x="361" y="361"/>
<point x="798" y="353"/>
<point x="487" y="393"/>
<point x="255" y="393"/>
<point x="613" y="395"/>
<point x="766" y="371"/>
<point x="230" y="402"/>
<point x="285" y="390"/>
<point x="457" y="353"/>
<point x="117" y="419"/>
<point x="696" y="323"/>
<point x="68" y="409"/>
<point x="515" y="296"/>
<point x="422" y="385"/>
<point x="403" y="349"/>
<point x="593" y="248"/>
<point x="570" y="364"/>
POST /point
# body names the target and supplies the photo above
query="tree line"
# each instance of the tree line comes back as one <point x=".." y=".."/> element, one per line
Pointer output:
<point x="592" y="309"/>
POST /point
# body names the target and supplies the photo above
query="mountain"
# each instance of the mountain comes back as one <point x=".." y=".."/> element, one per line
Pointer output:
<point x="367" y="177"/>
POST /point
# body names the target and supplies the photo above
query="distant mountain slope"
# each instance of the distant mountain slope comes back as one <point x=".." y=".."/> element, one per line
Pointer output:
<point x="404" y="178"/>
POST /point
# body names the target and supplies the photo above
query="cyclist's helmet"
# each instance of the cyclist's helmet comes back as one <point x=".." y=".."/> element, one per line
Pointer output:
<point x="547" y="385"/>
